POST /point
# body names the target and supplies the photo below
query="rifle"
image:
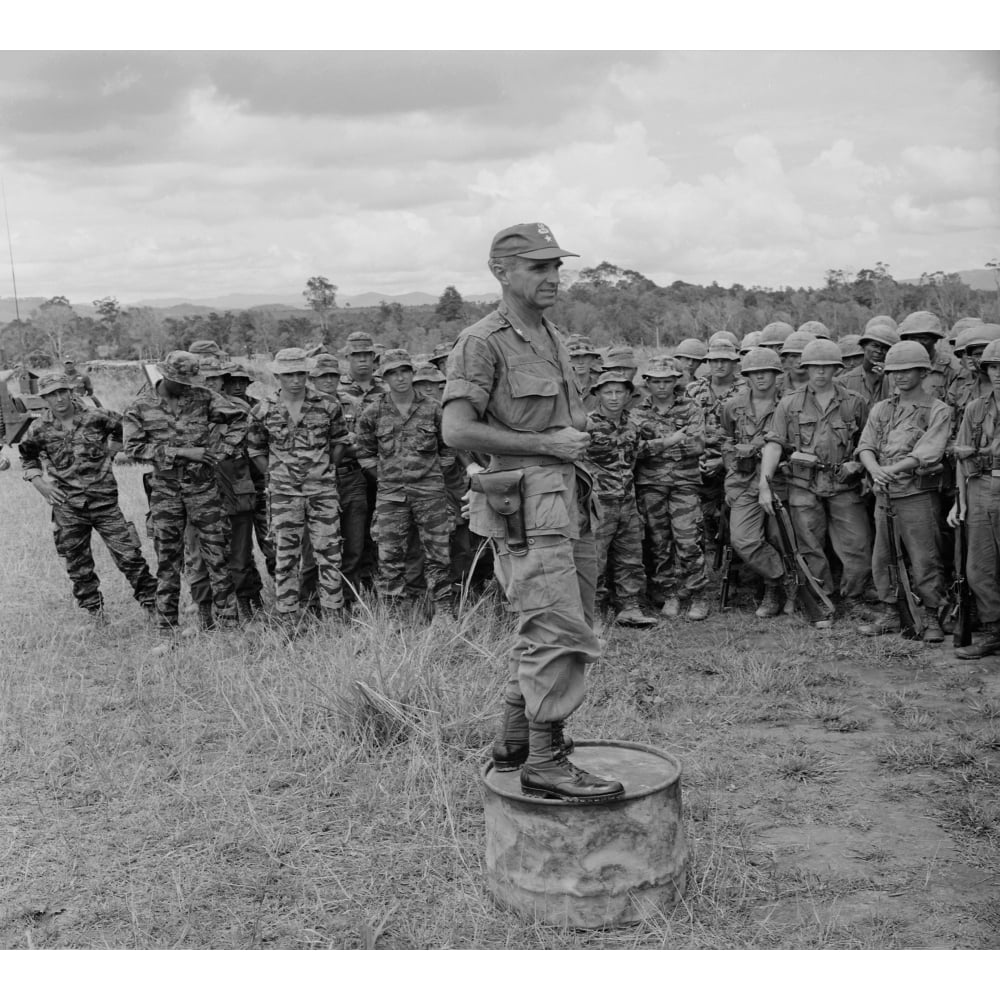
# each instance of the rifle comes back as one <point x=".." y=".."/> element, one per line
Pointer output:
<point x="961" y="608"/>
<point x="724" y="557"/>
<point x="907" y="603"/>
<point x="808" y="592"/>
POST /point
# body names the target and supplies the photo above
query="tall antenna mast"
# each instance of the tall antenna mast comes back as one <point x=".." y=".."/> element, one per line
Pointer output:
<point x="10" y="250"/>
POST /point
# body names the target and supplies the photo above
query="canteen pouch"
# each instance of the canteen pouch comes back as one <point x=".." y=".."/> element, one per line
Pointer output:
<point x="504" y="493"/>
<point x="745" y="458"/>
<point x="931" y="478"/>
<point x="803" y="466"/>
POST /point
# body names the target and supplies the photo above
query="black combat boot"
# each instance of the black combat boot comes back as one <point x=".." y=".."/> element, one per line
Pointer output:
<point x="549" y="773"/>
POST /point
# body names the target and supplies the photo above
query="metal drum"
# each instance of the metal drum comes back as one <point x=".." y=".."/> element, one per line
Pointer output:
<point x="590" y="865"/>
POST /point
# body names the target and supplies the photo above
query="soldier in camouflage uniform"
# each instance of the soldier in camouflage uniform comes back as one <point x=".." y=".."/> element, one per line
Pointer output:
<point x="184" y="430"/>
<point x="688" y="357"/>
<point x="297" y="436"/>
<point x="671" y="429"/>
<point x="400" y="435"/>
<point x="611" y="457"/>
<point x="352" y="493"/>
<point x="71" y="444"/>
<point x="238" y="493"/>
<point x="439" y="356"/>
<point x="746" y="419"/>
<point x="710" y="393"/>
<point x="582" y="356"/>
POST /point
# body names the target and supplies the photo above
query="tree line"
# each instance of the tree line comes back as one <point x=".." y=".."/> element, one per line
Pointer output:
<point x="605" y="304"/>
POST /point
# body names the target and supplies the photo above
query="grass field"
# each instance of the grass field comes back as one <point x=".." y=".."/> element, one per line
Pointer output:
<point x="242" y="792"/>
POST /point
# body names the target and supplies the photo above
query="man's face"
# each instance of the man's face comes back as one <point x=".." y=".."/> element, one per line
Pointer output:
<point x="215" y="382"/>
<point x="852" y="361"/>
<point x="908" y="379"/>
<point x="399" y="380"/>
<point x="688" y="365"/>
<point x="60" y="402"/>
<point x="613" y="397"/>
<point x="326" y="383"/>
<point x="235" y="386"/>
<point x="790" y="362"/>
<point x="874" y="355"/>
<point x="361" y="365"/>
<point x="972" y="356"/>
<point x="581" y="365"/>
<point x="434" y="390"/>
<point x="926" y="340"/>
<point x="721" y="368"/>
<point x="441" y="364"/>
<point x="532" y="283"/>
<point x="661" y="390"/>
<point x="293" y="383"/>
<point x="821" y="376"/>
<point x="762" y="381"/>
<point x="993" y="374"/>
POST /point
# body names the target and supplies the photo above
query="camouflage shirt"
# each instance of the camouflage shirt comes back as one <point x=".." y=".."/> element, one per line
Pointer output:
<point x="408" y="451"/>
<point x="704" y="394"/>
<point x="364" y="397"/>
<point x="612" y="453"/>
<point x="77" y="457"/>
<point x="679" y="464"/>
<point x="299" y="453"/>
<point x="200" y="418"/>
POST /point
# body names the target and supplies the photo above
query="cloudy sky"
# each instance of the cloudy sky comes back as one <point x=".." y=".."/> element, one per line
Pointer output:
<point x="183" y="174"/>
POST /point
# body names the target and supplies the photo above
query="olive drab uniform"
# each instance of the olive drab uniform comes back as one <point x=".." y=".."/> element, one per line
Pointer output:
<point x="611" y="457"/>
<point x="79" y="463"/>
<point x="822" y="500"/>
<point x="872" y="387"/>
<point x="524" y="382"/>
<point x="711" y="401"/>
<point x="411" y="456"/>
<point x="302" y="488"/>
<point x="668" y="484"/>
<point x="977" y="448"/>
<point x="183" y="491"/>
<point x="745" y="423"/>
<point x="895" y="430"/>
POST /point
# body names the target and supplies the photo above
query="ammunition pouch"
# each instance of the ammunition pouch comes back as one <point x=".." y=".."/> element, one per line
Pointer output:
<point x="803" y="468"/>
<point x="931" y="478"/>
<point x="504" y="493"/>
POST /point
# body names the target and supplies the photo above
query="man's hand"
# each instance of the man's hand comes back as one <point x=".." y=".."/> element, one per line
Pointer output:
<point x="957" y="513"/>
<point x="567" y="443"/>
<point x="49" y="490"/>
<point x="196" y="455"/>
<point x="883" y="475"/>
<point x="765" y="498"/>
<point x="4" y="463"/>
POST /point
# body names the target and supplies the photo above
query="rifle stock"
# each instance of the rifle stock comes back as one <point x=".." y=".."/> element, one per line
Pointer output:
<point x="808" y="593"/>
<point x="962" y="633"/>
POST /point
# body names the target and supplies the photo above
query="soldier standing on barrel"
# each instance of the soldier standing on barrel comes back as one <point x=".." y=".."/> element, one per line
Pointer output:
<point x="511" y="394"/>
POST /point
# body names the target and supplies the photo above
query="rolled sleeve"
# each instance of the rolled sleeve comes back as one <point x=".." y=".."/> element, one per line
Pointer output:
<point x="929" y="450"/>
<point x="471" y="374"/>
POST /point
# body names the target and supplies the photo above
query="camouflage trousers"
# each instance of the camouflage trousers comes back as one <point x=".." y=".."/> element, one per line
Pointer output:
<point x="262" y="530"/>
<point x="619" y="554"/>
<point x="242" y="567"/>
<point x="173" y="505"/>
<point x="295" y="517"/>
<point x="72" y="528"/>
<point x="673" y="515"/>
<point x="431" y="515"/>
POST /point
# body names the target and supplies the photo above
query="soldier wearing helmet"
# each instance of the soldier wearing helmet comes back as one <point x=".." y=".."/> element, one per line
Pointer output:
<point x="816" y="427"/>
<point x="978" y="503"/>
<point x="790" y="352"/>
<point x="668" y="482"/>
<point x="689" y="355"/>
<point x="867" y="378"/>
<point x="851" y="352"/>
<point x="184" y="430"/>
<point x="902" y="448"/>
<point x="819" y="330"/>
<point x="973" y="382"/>
<point x="749" y="342"/>
<point x="774" y="335"/>
<point x="746" y="419"/>
<point x="710" y="394"/>
<point x="925" y="328"/>
<point x="611" y="456"/>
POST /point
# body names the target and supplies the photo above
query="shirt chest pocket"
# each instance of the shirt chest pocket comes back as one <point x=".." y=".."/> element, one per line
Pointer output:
<point x="423" y="437"/>
<point x="534" y="395"/>
<point x="91" y="444"/>
<point x="807" y="432"/>
<point x="315" y="429"/>
<point x="385" y="432"/>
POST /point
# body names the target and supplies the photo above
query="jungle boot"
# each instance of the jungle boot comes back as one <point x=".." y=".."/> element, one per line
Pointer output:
<point x="206" y="621"/>
<point x="770" y="603"/>
<point x="245" y="609"/>
<point x="510" y="748"/>
<point x="549" y="773"/>
<point x="886" y="623"/>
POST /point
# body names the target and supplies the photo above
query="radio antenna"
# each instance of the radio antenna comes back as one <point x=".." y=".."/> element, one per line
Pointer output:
<point x="10" y="250"/>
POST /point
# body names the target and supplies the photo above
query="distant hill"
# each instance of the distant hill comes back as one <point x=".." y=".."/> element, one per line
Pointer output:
<point x="980" y="280"/>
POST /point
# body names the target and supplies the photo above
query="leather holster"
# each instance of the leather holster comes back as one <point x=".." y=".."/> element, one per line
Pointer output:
<point x="504" y="492"/>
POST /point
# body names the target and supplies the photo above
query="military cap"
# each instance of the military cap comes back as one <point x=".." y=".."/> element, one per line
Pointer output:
<point x="53" y="383"/>
<point x="359" y="342"/>
<point x="324" y="364"/>
<point x="235" y="370"/>
<point x="205" y="347"/>
<point x="440" y="351"/>
<point x="290" y="360"/>
<point x="533" y="240"/>
<point x="395" y="358"/>
<point x="818" y="329"/>
<point x="692" y="348"/>
<point x="660" y="368"/>
<point x="428" y="373"/>
<point x="850" y="346"/>
<point x="211" y="365"/>
<point x="69" y="361"/>
<point x="379" y="349"/>
<point x="581" y="349"/>
<point x="609" y="377"/>
<point x="619" y="357"/>
<point x="722" y="348"/>
<point x="920" y="322"/>
<point x="181" y="367"/>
